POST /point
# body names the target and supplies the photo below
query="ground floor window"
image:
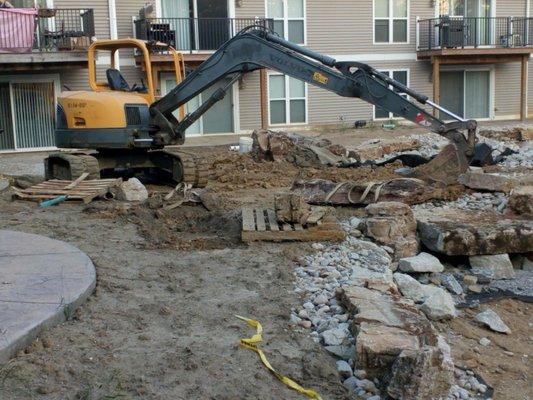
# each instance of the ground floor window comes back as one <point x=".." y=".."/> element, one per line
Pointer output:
<point x="466" y="93"/>
<point x="287" y="100"/>
<point x="27" y="113"/>
<point x="400" y="75"/>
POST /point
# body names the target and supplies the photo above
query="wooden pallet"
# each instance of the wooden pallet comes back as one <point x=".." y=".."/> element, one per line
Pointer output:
<point x="262" y="225"/>
<point x="79" y="190"/>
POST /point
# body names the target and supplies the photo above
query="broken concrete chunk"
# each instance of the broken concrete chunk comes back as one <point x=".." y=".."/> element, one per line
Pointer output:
<point x="493" y="182"/>
<point x="493" y="321"/>
<point x="461" y="232"/>
<point x="291" y="208"/>
<point x="344" y="369"/>
<point x="496" y="266"/>
<point x="335" y="337"/>
<point x="423" y="262"/>
<point x="521" y="200"/>
<point x="342" y="352"/>
<point x="439" y="305"/>
<point x="132" y="190"/>
<point x="410" y="287"/>
<point x="451" y="284"/>
<point x="520" y="287"/>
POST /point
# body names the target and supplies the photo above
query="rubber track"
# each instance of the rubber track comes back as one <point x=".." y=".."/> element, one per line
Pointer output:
<point x="91" y="166"/>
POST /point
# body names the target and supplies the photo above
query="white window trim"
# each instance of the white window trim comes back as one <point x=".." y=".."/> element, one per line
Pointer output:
<point x="287" y="100"/>
<point x="492" y="82"/>
<point x="391" y="19"/>
<point x="286" y="20"/>
<point x="390" y="71"/>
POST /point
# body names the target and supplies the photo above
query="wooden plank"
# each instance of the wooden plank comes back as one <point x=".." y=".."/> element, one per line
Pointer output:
<point x="436" y="83"/>
<point x="248" y="223"/>
<point x="260" y="220"/>
<point x="77" y="181"/>
<point x="273" y="220"/>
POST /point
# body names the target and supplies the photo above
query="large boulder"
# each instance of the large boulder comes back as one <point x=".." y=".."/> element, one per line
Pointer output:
<point x="496" y="266"/>
<point x="392" y="224"/>
<point x="461" y="232"/>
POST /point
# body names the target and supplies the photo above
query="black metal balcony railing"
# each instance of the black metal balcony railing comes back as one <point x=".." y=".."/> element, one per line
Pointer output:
<point x="466" y="32"/>
<point x="50" y="30"/>
<point x="194" y="34"/>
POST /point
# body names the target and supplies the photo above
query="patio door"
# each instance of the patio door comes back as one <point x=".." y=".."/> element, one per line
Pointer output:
<point x="176" y="18"/>
<point x="466" y="93"/>
<point x="196" y="24"/>
<point x="27" y="115"/>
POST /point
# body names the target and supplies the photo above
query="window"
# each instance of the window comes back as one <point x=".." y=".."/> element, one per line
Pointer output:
<point x="289" y="19"/>
<point x="401" y="76"/>
<point x="391" y="21"/>
<point x="287" y="100"/>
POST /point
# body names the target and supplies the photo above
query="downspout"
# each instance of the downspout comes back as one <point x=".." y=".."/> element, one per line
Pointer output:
<point x="113" y="33"/>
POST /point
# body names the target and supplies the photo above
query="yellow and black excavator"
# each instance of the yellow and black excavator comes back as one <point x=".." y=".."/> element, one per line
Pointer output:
<point x="128" y="128"/>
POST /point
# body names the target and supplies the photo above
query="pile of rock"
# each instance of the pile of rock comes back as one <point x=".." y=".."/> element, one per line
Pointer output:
<point x="497" y="202"/>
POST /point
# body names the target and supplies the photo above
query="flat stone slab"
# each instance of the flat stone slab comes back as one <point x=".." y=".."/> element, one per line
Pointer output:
<point x="461" y="232"/>
<point x="42" y="281"/>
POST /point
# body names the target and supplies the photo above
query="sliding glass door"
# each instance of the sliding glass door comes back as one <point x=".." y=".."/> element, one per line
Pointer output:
<point x="465" y="93"/>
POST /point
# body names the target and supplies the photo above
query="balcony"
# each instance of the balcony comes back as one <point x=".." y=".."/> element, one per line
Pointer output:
<point x="474" y="37"/>
<point x="47" y="36"/>
<point x="194" y="35"/>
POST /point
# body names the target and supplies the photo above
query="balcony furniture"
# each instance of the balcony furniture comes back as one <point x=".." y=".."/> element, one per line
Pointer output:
<point x="75" y="31"/>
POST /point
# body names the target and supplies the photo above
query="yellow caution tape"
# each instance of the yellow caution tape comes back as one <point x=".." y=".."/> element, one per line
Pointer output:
<point x="251" y="343"/>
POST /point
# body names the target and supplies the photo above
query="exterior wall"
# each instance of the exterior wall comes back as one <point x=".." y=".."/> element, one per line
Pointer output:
<point x="507" y="90"/>
<point x="250" y="102"/>
<point x="126" y="10"/>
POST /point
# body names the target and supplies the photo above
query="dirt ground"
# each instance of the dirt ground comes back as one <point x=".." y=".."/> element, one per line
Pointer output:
<point x="161" y="324"/>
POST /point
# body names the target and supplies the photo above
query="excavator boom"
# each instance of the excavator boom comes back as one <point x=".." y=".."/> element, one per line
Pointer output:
<point x="256" y="47"/>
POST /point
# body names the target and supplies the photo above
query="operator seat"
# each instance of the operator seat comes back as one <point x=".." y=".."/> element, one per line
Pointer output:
<point x="116" y="81"/>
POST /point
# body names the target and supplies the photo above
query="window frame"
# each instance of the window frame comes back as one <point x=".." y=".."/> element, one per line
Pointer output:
<point x="287" y="100"/>
<point x="391" y="75"/>
<point x="391" y="20"/>
<point x="286" y="19"/>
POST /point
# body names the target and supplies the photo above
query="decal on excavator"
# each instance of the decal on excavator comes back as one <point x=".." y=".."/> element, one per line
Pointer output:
<point x="318" y="77"/>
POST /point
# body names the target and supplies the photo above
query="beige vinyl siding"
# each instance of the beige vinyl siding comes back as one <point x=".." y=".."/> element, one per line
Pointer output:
<point x="530" y="88"/>
<point x="101" y="14"/>
<point x="250" y="9"/>
<point x="507" y="90"/>
<point x="126" y="10"/>
<point x="507" y="8"/>
<point x="328" y="108"/>
<point x="346" y="27"/>
<point x="250" y="102"/>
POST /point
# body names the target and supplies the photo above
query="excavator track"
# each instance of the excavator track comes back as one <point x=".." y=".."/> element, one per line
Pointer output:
<point x="194" y="169"/>
<point x="69" y="166"/>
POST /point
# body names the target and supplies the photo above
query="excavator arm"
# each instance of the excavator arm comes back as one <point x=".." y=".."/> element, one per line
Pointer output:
<point x="255" y="48"/>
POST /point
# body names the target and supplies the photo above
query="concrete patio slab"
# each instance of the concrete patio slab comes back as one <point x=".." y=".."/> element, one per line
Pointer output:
<point x="42" y="281"/>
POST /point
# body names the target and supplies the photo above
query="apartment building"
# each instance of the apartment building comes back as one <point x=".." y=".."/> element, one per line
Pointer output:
<point x="470" y="55"/>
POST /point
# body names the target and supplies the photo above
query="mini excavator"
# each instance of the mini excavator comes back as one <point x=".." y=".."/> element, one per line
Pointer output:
<point x="126" y="127"/>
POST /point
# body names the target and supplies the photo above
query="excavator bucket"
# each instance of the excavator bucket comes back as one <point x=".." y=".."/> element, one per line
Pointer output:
<point x="445" y="168"/>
